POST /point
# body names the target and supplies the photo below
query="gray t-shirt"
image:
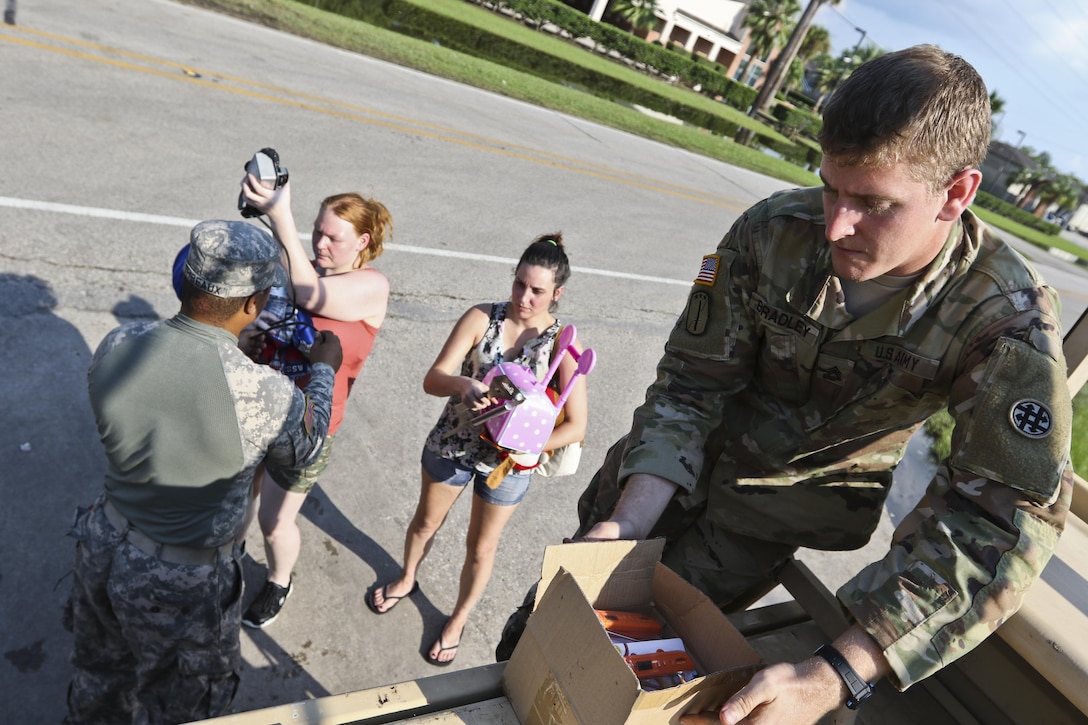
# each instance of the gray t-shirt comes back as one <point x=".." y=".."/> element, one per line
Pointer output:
<point x="185" y="417"/>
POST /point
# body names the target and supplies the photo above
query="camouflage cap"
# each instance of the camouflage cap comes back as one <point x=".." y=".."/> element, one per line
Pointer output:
<point x="232" y="259"/>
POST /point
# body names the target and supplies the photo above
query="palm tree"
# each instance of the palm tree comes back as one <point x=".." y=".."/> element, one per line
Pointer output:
<point x="848" y="61"/>
<point x="817" y="40"/>
<point x="1027" y="178"/>
<point x="795" y="76"/>
<point x="826" y="73"/>
<point x="1056" y="188"/>
<point x="638" y="14"/>
<point x="785" y="58"/>
<point x="1044" y="185"/>
<point x="769" y="25"/>
<point x="997" y="105"/>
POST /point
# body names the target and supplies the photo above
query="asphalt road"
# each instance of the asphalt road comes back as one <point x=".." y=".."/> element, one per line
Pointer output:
<point x="122" y="124"/>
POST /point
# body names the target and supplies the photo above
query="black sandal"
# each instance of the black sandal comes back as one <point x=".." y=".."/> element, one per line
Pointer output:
<point x="443" y="648"/>
<point x="369" y="598"/>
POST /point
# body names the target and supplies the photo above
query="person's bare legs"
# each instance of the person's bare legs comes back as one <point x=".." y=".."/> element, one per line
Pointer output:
<point x="484" y="530"/>
<point x="435" y="501"/>
<point x="282" y="540"/>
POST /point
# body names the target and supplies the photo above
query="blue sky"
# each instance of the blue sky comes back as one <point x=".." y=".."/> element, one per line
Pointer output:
<point x="1035" y="55"/>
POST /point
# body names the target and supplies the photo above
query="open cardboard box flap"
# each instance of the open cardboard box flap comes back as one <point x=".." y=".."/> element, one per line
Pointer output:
<point x="565" y="669"/>
<point x="618" y="572"/>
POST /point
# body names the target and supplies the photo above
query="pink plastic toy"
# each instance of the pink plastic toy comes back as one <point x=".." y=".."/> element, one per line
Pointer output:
<point x="524" y="427"/>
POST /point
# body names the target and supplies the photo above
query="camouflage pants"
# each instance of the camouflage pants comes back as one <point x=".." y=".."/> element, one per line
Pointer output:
<point x="155" y="642"/>
<point x="731" y="569"/>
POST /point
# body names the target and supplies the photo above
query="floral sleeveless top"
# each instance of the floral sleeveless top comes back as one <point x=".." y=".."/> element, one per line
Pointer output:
<point x="465" y="445"/>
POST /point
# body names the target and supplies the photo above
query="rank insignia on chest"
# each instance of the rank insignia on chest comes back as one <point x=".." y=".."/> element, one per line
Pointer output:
<point x="832" y="374"/>
<point x="708" y="270"/>
<point x="1031" y="418"/>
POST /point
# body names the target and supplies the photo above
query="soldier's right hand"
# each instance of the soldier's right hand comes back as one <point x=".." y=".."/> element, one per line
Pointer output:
<point x="326" y="349"/>
<point x="252" y="341"/>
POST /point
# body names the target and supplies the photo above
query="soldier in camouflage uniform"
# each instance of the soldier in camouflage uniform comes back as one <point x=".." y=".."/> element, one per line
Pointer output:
<point x="828" y="325"/>
<point x="185" y="417"/>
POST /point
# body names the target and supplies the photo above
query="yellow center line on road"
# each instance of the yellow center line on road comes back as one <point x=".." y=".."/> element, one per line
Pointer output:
<point x="397" y="123"/>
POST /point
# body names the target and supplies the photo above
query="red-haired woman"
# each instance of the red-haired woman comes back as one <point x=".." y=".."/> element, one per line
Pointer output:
<point x="342" y="293"/>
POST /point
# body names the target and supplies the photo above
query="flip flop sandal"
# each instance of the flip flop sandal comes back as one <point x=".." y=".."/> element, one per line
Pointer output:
<point x="441" y="649"/>
<point x="369" y="598"/>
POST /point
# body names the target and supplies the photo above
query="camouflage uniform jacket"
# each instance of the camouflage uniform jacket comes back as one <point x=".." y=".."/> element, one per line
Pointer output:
<point x="185" y="417"/>
<point x="783" y="416"/>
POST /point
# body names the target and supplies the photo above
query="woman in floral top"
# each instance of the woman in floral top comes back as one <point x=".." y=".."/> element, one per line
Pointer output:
<point x="521" y="331"/>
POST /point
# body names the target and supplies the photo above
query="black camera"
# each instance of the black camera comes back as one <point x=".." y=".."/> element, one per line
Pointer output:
<point x="265" y="165"/>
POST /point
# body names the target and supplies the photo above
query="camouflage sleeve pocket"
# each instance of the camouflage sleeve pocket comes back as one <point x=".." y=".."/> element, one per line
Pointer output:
<point x="906" y="612"/>
<point x="1019" y="430"/>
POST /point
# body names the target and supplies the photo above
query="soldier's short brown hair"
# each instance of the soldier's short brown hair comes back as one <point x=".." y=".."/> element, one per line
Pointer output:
<point x="209" y="306"/>
<point x="920" y="106"/>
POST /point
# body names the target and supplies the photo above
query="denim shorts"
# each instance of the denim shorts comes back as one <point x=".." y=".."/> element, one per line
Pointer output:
<point x="508" y="493"/>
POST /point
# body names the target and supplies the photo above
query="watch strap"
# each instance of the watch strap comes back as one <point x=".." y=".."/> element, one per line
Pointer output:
<point x="859" y="689"/>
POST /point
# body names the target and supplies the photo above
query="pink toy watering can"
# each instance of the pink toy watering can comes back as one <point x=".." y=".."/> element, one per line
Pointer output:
<point x="523" y="422"/>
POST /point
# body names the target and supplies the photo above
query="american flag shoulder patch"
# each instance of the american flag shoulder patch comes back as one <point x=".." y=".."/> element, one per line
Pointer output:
<point x="708" y="270"/>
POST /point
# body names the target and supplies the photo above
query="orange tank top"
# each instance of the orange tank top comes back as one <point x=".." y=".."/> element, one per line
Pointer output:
<point x="356" y="340"/>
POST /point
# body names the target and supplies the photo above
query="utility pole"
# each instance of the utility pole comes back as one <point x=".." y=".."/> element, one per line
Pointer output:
<point x="857" y="46"/>
<point x="781" y="64"/>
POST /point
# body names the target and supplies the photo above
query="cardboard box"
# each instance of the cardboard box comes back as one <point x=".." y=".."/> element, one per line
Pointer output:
<point x="565" y="669"/>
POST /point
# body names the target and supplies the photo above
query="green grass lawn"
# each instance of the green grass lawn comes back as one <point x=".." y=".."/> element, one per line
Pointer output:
<point x="1080" y="442"/>
<point x="518" y="32"/>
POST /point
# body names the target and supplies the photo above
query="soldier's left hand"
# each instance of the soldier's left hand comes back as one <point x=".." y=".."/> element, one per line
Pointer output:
<point x="791" y="694"/>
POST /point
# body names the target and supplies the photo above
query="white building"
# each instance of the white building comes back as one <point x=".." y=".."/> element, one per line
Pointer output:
<point x="711" y="28"/>
<point x="1079" y="220"/>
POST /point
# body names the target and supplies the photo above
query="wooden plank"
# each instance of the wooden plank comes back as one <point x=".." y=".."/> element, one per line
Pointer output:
<point x="498" y="711"/>
<point x="997" y="687"/>
<point x="1051" y="629"/>
<point x="1079" y="506"/>
<point x="769" y="618"/>
<point x="386" y="704"/>
<point x="1076" y="354"/>
<point x="811" y="594"/>
<point x="1075" y="347"/>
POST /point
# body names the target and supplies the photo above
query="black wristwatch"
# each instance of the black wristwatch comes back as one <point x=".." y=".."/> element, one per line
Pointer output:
<point x="860" y="690"/>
